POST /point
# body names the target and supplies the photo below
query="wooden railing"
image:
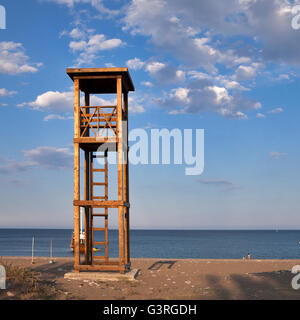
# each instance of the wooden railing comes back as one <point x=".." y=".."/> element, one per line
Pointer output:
<point x="99" y="121"/>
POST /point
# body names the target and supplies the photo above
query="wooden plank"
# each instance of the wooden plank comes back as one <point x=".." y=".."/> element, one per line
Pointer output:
<point x="88" y="122"/>
<point x="84" y="125"/>
<point x="99" y="184"/>
<point x="94" y="77"/>
<point x="86" y="70"/>
<point x="100" y="215"/>
<point x="105" y="203"/>
<point x="99" y="229"/>
<point x="99" y="243"/>
<point x="95" y="140"/>
<point x="73" y="72"/>
<point x="90" y="114"/>
<point x="91" y="107"/>
<point x="100" y="267"/>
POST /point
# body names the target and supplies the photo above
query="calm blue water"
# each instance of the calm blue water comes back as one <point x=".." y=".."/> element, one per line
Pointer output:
<point x="216" y="244"/>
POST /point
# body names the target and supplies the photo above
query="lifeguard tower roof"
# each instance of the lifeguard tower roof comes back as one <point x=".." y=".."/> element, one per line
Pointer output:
<point x="101" y="80"/>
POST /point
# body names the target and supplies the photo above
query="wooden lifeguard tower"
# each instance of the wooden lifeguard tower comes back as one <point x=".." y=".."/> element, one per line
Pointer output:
<point x="97" y="131"/>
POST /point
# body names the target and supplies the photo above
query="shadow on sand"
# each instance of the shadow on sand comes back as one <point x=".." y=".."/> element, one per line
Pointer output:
<point x="158" y="264"/>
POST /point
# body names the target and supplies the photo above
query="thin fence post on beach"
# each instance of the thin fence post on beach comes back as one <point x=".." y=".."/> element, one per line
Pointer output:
<point x="51" y="260"/>
<point x="32" y="251"/>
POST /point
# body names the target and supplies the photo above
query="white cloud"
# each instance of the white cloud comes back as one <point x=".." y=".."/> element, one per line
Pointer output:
<point x="13" y="59"/>
<point x="54" y="101"/>
<point x="47" y="157"/>
<point x="276" y="111"/>
<point x="164" y="73"/>
<point x="135" y="64"/>
<point x="204" y="96"/>
<point x="175" y="27"/>
<point x="180" y="94"/>
<point x="57" y="117"/>
<point x="277" y="155"/>
<point x="76" y="33"/>
<point x="247" y="72"/>
<point x="225" y="185"/>
<point x="60" y="102"/>
<point x="4" y="92"/>
<point x="147" y="83"/>
<point x="14" y="167"/>
<point x="260" y="115"/>
<point x="89" y="45"/>
<point x="154" y="67"/>
<point x="50" y="157"/>
<point x="109" y="65"/>
<point x="233" y="85"/>
<point x="97" y="4"/>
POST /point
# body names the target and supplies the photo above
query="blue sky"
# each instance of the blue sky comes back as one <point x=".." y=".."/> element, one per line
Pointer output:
<point x="230" y="68"/>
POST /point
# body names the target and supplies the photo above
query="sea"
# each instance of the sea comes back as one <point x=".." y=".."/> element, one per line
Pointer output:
<point x="198" y="244"/>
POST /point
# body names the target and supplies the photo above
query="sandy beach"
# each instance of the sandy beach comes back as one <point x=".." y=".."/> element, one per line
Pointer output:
<point x="157" y="279"/>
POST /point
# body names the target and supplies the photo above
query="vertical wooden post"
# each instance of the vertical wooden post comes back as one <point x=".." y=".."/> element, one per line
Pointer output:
<point x="76" y="172"/>
<point x="87" y="188"/>
<point x="106" y="198"/>
<point x="92" y="209"/>
<point x="120" y="171"/>
<point x="126" y="183"/>
<point x="86" y="197"/>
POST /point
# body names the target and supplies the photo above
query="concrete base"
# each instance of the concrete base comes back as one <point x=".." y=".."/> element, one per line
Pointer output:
<point x="102" y="276"/>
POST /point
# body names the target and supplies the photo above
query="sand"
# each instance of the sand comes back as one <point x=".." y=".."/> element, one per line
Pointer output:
<point x="168" y="279"/>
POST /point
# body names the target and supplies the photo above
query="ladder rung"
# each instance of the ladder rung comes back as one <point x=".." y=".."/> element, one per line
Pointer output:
<point x="100" y="243"/>
<point x="98" y="229"/>
<point x="99" y="170"/>
<point x="98" y="156"/>
<point x="99" y="183"/>
<point x="99" y="257"/>
<point x="100" y="215"/>
<point x="98" y="198"/>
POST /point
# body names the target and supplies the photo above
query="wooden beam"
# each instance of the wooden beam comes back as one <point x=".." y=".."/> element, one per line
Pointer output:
<point x="99" y="267"/>
<point x="76" y="172"/>
<point x="96" y="140"/>
<point x="108" y="203"/>
<point x="86" y="70"/>
<point x="76" y="109"/>
<point x="126" y="184"/>
<point x="120" y="169"/>
<point x="106" y="199"/>
<point x="87" y="210"/>
<point x="94" y="77"/>
<point x="76" y="198"/>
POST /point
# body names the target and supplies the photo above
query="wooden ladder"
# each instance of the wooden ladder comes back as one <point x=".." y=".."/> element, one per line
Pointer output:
<point x="104" y="214"/>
